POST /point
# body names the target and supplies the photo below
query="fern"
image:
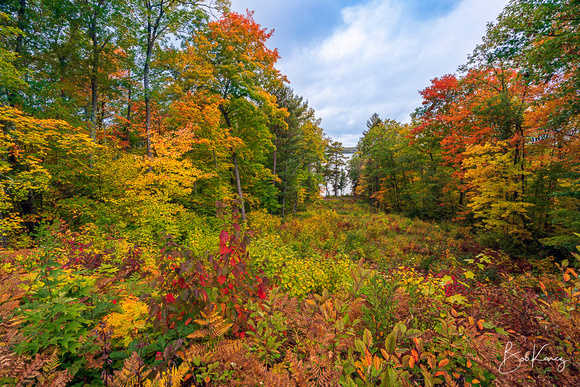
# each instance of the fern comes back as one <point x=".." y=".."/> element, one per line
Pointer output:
<point x="32" y="370"/>
<point x="132" y="374"/>
<point x="51" y="364"/>
<point x="173" y="377"/>
<point x="215" y="326"/>
<point x="51" y="376"/>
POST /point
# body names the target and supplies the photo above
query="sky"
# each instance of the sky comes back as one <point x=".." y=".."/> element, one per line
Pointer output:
<point x="353" y="58"/>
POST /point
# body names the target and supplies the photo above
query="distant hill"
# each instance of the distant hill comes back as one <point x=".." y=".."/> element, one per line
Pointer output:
<point x="349" y="150"/>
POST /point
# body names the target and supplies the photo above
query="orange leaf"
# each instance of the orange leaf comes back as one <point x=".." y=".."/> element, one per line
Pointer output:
<point x="376" y="363"/>
<point x="415" y="355"/>
<point x="543" y="287"/>
<point x="443" y="362"/>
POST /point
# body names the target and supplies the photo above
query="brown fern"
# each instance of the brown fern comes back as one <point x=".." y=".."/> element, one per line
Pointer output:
<point x="133" y="372"/>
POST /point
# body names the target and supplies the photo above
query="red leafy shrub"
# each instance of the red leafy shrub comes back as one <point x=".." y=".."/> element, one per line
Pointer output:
<point x="190" y="284"/>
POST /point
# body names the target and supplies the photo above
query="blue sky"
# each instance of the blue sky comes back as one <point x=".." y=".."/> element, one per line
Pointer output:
<point x="352" y="58"/>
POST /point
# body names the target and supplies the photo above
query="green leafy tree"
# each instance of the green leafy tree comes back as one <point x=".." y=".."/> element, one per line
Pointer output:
<point x="335" y="163"/>
<point x="241" y="73"/>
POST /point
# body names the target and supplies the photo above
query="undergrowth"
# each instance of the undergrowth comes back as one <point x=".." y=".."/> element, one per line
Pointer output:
<point x="337" y="295"/>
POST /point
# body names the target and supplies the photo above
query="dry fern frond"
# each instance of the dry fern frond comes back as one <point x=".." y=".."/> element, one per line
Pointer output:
<point x="32" y="370"/>
<point x="172" y="377"/>
<point x="215" y="326"/>
<point x="51" y="376"/>
<point x="194" y="351"/>
<point x="229" y="347"/>
<point x="133" y="372"/>
<point x="59" y="379"/>
<point x="51" y="365"/>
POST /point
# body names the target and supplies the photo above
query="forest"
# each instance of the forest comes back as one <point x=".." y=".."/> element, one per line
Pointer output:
<point x="169" y="208"/>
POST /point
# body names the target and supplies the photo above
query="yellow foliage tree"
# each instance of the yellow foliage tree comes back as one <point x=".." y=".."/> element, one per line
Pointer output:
<point x="37" y="153"/>
<point x="496" y="195"/>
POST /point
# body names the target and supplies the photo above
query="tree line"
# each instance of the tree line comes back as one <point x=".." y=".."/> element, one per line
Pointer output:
<point x="496" y="146"/>
<point x="131" y="112"/>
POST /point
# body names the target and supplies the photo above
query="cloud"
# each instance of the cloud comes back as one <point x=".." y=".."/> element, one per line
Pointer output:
<point x="296" y="22"/>
<point x="377" y="58"/>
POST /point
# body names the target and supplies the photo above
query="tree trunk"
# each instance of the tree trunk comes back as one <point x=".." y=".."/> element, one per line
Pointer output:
<point x="151" y="32"/>
<point x="94" y="107"/>
<point x="239" y="186"/>
<point x="147" y="105"/>
<point x="129" y="92"/>
<point x="94" y="76"/>
<point x="284" y="192"/>
<point x="20" y="38"/>
<point x="275" y="156"/>
<point x="13" y="95"/>
<point x="236" y="167"/>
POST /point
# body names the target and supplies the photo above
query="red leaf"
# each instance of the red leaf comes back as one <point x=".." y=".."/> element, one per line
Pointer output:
<point x="261" y="291"/>
<point x="169" y="297"/>
<point x="224" y="236"/>
<point x="224" y="249"/>
<point x="221" y="279"/>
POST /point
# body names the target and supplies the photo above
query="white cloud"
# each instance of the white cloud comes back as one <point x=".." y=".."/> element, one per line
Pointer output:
<point x="379" y="58"/>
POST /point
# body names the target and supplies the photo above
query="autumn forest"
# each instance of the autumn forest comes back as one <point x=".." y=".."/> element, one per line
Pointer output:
<point x="171" y="211"/>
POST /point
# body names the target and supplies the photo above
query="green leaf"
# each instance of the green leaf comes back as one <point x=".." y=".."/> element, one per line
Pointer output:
<point x="390" y="343"/>
<point x="368" y="338"/>
<point x="360" y="346"/>
<point x="565" y="263"/>
<point x="413" y="333"/>
<point x="389" y="378"/>
<point x="400" y="329"/>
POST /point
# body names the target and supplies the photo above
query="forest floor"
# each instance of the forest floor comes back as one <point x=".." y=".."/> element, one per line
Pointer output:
<point x="340" y="294"/>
